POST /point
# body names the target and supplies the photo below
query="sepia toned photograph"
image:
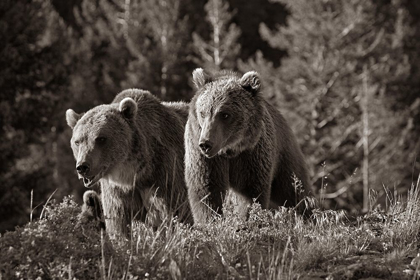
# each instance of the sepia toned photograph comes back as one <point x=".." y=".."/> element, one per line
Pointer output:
<point x="210" y="139"/>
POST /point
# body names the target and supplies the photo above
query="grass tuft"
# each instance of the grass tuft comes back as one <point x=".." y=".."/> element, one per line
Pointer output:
<point x="268" y="245"/>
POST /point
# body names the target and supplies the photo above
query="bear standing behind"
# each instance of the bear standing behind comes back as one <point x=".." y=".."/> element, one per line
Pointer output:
<point x="234" y="138"/>
<point x="92" y="212"/>
<point x="134" y="148"/>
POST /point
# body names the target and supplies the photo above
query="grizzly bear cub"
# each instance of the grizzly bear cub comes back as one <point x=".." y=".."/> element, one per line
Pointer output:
<point x="134" y="148"/>
<point x="235" y="139"/>
<point x="92" y="212"/>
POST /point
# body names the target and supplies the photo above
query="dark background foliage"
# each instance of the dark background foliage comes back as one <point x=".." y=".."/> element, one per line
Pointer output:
<point x="344" y="73"/>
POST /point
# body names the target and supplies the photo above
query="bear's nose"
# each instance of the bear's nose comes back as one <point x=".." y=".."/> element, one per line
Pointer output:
<point x="206" y="146"/>
<point x="83" y="168"/>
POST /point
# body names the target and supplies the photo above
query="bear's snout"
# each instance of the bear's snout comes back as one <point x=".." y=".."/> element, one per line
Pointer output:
<point x="83" y="168"/>
<point x="210" y="139"/>
<point x="205" y="146"/>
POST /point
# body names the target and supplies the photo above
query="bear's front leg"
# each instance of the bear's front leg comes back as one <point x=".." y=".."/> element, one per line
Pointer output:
<point x="207" y="181"/>
<point x="116" y="220"/>
<point x="250" y="175"/>
<point x="116" y="206"/>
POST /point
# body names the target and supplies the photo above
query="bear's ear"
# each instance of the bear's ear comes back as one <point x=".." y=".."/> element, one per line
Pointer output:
<point x="250" y="81"/>
<point x="90" y="198"/>
<point x="72" y="117"/>
<point x="128" y="108"/>
<point x="200" y="78"/>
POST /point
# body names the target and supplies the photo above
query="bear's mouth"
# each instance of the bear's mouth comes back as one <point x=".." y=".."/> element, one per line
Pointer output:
<point x="89" y="182"/>
<point x="210" y="154"/>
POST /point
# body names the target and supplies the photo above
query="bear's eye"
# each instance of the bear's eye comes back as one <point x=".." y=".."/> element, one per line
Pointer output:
<point x="77" y="142"/>
<point x="225" y="116"/>
<point x="100" y="140"/>
<point x="202" y="115"/>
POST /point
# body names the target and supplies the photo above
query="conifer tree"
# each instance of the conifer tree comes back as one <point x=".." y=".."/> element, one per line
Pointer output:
<point x="33" y="82"/>
<point x="220" y="50"/>
<point x="168" y="44"/>
<point x="337" y="85"/>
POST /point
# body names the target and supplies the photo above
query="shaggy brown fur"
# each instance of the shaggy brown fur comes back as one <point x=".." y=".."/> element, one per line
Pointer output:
<point x="92" y="212"/>
<point x="134" y="148"/>
<point x="234" y="138"/>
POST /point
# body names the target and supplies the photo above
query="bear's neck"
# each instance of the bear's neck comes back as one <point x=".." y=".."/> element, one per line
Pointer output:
<point x="122" y="176"/>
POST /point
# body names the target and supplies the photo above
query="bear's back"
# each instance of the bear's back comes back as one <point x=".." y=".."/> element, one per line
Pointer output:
<point x="149" y="104"/>
<point x="180" y="108"/>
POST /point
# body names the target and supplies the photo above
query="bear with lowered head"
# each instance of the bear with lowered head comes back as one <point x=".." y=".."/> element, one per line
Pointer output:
<point x="134" y="149"/>
<point x="235" y="139"/>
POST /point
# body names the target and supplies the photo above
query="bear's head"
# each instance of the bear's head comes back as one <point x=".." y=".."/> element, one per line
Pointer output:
<point x="92" y="211"/>
<point x="102" y="139"/>
<point x="228" y="109"/>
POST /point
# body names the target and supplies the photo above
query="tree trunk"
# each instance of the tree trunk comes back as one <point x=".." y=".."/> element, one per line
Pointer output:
<point x="364" y="103"/>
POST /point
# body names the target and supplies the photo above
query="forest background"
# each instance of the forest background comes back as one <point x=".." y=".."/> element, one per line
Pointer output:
<point x="345" y="74"/>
